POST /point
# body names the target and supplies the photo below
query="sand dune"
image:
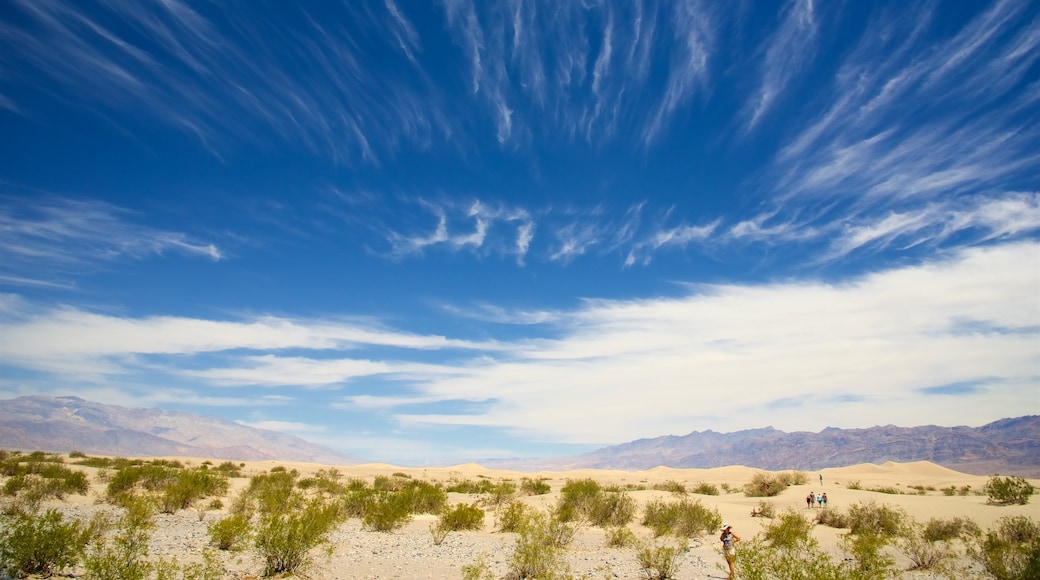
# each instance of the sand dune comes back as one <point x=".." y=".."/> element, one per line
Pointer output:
<point x="410" y="552"/>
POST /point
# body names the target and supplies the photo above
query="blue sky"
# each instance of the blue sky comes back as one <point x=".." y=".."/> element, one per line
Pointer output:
<point x="436" y="232"/>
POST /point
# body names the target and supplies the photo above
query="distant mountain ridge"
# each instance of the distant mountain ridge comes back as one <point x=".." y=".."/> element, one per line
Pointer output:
<point x="1007" y="446"/>
<point x="62" y="424"/>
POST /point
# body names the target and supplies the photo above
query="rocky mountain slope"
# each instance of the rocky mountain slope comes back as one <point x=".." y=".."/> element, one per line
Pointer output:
<point x="1007" y="446"/>
<point x="63" y="424"/>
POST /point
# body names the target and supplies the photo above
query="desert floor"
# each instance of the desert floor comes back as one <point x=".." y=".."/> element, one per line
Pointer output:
<point x="410" y="553"/>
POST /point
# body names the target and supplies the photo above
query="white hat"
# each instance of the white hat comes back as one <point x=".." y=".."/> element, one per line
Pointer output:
<point x="725" y="527"/>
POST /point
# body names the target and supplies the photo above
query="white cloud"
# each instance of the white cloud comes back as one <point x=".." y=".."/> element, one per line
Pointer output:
<point x="47" y="237"/>
<point x="719" y="358"/>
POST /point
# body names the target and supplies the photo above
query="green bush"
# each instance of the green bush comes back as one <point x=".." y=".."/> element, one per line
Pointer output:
<point x="765" y="485"/>
<point x="926" y="554"/>
<point x="515" y="517"/>
<point x="832" y="518"/>
<point x="881" y="520"/>
<point x="44" y="544"/>
<point x="869" y="561"/>
<point x="703" y="488"/>
<point x="757" y="560"/>
<point x="538" y="486"/>
<point x="470" y="486"/>
<point x="1008" y="490"/>
<point x="387" y="511"/>
<point x="615" y="508"/>
<point x="125" y="556"/>
<point x="621" y="537"/>
<point x="190" y="486"/>
<point x="284" y="540"/>
<point x="671" y="486"/>
<point x="937" y="530"/>
<point x="578" y="498"/>
<point x="462" y="517"/>
<point x="230" y="533"/>
<point x="661" y="562"/>
<point x="790" y="530"/>
<point x="684" y="518"/>
<point x="1011" y="550"/>
<point x="424" y="497"/>
<point x="539" y="553"/>
<point x="764" y="509"/>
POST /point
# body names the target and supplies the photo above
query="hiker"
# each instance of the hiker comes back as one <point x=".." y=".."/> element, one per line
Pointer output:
<point x="808" y="500"/>
<point x="728" y="539"/>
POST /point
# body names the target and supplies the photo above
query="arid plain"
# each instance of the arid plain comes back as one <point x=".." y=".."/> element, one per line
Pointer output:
<point x="410" y="552"/>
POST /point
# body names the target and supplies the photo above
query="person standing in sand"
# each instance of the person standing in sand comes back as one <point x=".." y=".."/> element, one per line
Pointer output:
<point x="808" y="500"/>
<point x="728" y="539"/>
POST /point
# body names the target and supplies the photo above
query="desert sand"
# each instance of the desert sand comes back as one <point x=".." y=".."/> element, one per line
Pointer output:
<point x="410" y="553"/>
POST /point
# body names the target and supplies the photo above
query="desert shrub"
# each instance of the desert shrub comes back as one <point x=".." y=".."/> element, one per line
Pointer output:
<point x="479" y="569"/>
<point x="229" y="469"/>
<point x="44" y="544"/>
<point x="387" y="511"/>
<point x="230" y="533"/>
<point x="870" y="518"/>
<point x="578" y="498"/>
<point x="190" y="486"/>
<point x="671" y="486"/>
<point x="284" y="540"/>
<point x="620" y="537"/>
<point x="124" y="557"/>
<point x="925" y="554"/>
<point x="539" y="552"/>
<point x="703" y="488"/>
<point x="470" y="486"/>
<point x="272" y="492"/>
<point x="538" y="486"/>
<point x="1011" y="550"/>
<point x="937" y="530"/>
<point x="515" y="517"/>
<point x="757" y="560"/>
<point x="1008" y="490"/>
<point x="869" y="561"/>
<point x="832" y="518"/>
<point x="764" y="509"/>
<point x="854" y="485"/>
<point x="793" y="477"/>
<point x="462" y="517"/>
<point x="660" y="562"/>
<point x="354" y="504"/>
<point x="788" y="531"/>
<point x="889" y="490"/>
<point x="683" y="518"/>
<point x="424" y="497"/>
<point x="324" y="481"/>
<point x="500" y="494"/>
<point x="148" y="477"/>
<point x="615" y="508"/>
<point x="765" y="485"/>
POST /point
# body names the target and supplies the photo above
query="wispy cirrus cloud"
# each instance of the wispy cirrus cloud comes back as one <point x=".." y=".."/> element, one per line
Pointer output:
<point x="45" y="238"/>
<point x="787" y="53"/>
<point x="864" y="146"/>
<point x="213" y="74"/>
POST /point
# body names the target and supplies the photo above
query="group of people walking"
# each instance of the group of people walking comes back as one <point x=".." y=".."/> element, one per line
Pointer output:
<point x="819" y="498"/>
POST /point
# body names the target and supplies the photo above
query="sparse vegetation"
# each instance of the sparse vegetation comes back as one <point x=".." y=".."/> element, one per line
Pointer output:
<point x="41" y="543"/>
<point x="661" y="561"/>
<point x="764" y="509"/>
<point x="1011" y="550"/>
<point x="765" y="485"/>
<point x="684" y="518"/>
<point x="1008" y="490"/>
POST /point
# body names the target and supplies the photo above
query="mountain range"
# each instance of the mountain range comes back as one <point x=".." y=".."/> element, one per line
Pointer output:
<point x="62" y="424"/>
<point x="1007" y="447"/>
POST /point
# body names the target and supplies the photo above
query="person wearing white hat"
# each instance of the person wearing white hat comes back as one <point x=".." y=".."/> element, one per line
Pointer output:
<point x="728" y="538"/>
